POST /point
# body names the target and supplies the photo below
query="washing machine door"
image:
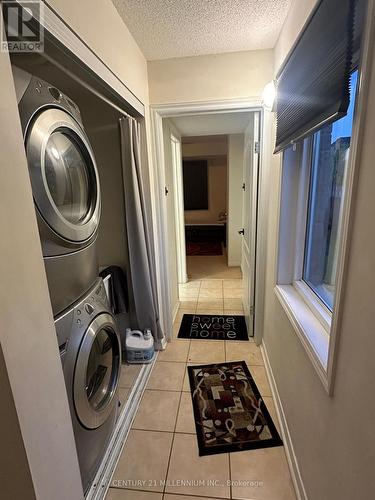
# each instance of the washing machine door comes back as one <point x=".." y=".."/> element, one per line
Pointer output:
<point x="97" y="372"/>
<point x="63" y="174"/>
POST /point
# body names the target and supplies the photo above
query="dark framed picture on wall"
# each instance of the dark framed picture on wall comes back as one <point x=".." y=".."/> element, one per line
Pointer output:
<point x="195" y="176"/>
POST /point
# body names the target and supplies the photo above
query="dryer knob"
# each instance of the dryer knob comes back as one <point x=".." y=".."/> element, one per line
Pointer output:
<point x="89" y="308"/>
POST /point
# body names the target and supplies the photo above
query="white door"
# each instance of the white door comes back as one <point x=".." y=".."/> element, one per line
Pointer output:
<point x="250" y="190"/>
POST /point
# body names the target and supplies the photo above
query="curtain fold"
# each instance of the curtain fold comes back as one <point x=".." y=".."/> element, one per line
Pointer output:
<point x="138" y="232"/>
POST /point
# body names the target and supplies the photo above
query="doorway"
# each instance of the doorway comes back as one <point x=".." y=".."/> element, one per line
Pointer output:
<point x="205" y="196"/>
<point x="211" y="164"/>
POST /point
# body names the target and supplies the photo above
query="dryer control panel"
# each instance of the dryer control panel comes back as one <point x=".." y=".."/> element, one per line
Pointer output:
<point x="33" y="94"/>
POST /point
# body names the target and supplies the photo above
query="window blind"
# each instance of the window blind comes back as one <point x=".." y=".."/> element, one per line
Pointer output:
<point x="313" y="85"/>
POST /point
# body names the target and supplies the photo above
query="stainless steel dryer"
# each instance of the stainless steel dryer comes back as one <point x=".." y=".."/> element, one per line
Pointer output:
<point x="65" y="186"/>
<point x="90" y="352"/>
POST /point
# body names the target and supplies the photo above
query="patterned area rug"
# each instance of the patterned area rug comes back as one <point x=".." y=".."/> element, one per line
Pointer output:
<point x="204" y="248"/>
<point x="229" y="412"/>
<point x="213" y="327"/>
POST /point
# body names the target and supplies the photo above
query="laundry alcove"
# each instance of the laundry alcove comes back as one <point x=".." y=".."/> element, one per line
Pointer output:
<point x="101" y="109"/>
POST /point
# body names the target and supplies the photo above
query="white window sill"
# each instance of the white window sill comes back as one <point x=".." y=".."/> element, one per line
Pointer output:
<point x="308" y="327"/>
<point x="321" y="312"/>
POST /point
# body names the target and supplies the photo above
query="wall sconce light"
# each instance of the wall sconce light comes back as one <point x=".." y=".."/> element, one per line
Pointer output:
<point x="269" y="96"/>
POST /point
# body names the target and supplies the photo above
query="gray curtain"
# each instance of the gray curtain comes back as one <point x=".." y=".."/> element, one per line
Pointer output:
<point x="138" y="232"/>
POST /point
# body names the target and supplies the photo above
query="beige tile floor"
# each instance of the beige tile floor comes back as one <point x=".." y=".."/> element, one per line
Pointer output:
<point x="215" y="296"/>
<point x="210" y="267"/>
<point x="129" y="374"/>
<point x="160" y="459"/>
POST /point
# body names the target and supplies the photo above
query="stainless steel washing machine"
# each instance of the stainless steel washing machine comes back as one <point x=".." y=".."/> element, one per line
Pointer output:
<point x="90" y="351"/>
<point x="65" y="186"/>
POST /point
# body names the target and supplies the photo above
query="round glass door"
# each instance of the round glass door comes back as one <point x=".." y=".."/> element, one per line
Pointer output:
<point x="97" y="372"/>
<point x="63" y="174"/>
<point x="99" y="376"/>
<point x="68" y="177"/>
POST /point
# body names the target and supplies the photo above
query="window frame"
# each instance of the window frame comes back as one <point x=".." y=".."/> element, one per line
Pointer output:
<point x="316" y="326"/>
<point x="312" y="299"/>
<point x="308" y="314"/>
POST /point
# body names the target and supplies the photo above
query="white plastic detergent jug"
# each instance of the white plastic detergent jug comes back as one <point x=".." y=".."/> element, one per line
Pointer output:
<point x="139" y="346"/>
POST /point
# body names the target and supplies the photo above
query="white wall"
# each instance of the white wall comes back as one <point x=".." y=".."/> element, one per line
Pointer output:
<point x="235" y="196"/>
<point x="296" y="18"/>
<point x="335" y="455"/>
<point x="213" y="77"/>
<point x="205" y="148"/>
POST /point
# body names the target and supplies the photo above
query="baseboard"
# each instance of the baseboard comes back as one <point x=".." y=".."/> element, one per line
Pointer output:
<point x="175" y="311"/>
<point x="289" y="450"/>
<point x="234" y="263"/>
<point x="163" y="344"/>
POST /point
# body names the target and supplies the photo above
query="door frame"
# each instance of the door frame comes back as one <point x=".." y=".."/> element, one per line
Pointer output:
<point x="157" y="113"/>
<point x="178" y="194"/>
<point x="250" y="202"/>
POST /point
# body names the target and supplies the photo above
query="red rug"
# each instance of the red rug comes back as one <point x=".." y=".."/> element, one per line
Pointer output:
<point x="207" y="248"/>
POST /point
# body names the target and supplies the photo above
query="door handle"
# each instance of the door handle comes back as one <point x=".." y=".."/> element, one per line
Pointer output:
<point x="241" y="232"/>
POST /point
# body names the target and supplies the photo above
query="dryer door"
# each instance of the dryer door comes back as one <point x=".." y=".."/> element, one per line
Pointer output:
<point x="63" y="174"/>
<point x="97" y="372"/>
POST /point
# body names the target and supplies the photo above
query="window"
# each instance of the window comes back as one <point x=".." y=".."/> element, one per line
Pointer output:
<point x="316" y="94"/>
<point x="329" y="162"/>
<point x="314" y="184"/>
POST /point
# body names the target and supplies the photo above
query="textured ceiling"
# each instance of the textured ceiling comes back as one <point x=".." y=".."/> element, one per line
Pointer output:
<point x="212" y="124"/>
<point x="178" y="28"/>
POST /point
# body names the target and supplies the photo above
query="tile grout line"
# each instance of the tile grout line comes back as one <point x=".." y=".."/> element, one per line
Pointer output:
<point x="164" y="432"/>
<point x="161" y="493"/>
<point x="169" y="457"/>
<point x="173" y="437"/>
<point x="183" y="495"/>
<point x="169" y="361"/>
<point x="199" y="292"/>
<point x="189" y="495"/>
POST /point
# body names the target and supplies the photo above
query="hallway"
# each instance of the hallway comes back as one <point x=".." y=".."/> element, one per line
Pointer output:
<point x="160" y="458"/>
<point x="212" y="267"/>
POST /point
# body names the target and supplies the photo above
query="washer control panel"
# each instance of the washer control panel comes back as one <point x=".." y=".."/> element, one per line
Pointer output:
<point x="82" y="314"/>
<point x="89" y="308"/>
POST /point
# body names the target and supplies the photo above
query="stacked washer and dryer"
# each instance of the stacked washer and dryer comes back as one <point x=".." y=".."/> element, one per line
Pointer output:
<point x="66" y="193"/>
